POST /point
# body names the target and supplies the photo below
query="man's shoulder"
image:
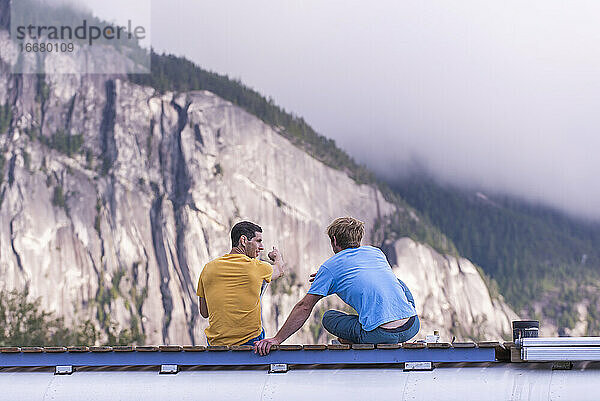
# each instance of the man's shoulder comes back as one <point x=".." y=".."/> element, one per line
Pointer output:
<point x="216" y="263"/>
<point x="354" y="256"/>
<point x="208" y="268"/>
<point x="361" y="251"/>
<point x="235" y="265"/>
<point x="369" y="248"/>
<point x="264" y="266"/>
<point x="368" y="251"/>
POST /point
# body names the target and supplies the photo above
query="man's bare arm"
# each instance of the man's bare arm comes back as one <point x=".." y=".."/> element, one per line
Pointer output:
<point x="295" y="320"/>
<point x="278" y="264"/>
<point x="203" y="307"/>
<point x="298" y="316"/>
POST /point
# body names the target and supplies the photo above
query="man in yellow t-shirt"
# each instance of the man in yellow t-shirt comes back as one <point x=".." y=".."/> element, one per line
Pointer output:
<point x="230" y="288"/>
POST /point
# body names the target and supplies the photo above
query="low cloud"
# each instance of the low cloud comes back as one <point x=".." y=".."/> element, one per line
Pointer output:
<point x="500" y="94"/>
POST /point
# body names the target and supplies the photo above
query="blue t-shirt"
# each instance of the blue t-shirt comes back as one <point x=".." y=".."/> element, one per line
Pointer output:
<point x="363" y="278"/>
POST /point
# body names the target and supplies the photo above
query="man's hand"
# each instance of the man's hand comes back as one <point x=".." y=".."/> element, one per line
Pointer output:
<point x="274" y="254"/>
<point x="263" y="347"/>
<point x="311" y="278"/>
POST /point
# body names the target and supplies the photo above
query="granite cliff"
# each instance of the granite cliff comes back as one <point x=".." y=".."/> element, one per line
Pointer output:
<point x="113" y="196"/>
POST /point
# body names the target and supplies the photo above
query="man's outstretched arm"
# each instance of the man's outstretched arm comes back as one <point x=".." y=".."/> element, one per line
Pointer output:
<point x="295" y="320"/>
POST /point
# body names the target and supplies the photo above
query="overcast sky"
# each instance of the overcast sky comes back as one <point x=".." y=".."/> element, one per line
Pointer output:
<point x="502" y="94"/>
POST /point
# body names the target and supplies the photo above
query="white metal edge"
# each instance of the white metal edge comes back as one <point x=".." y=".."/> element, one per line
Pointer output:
<point x="560" y="353"/>
<point x="560" y="341"/>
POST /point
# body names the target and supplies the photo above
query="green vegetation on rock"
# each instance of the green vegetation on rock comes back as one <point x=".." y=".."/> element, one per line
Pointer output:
<point x="66" y="143"/>
<point x="58" y="199"/>
<point x="172" y="73"/>
<point x="24" y="323"/>
<point x="538" y="256"/>
<point x="2" y="163"/>
<point x="5" y="117"/>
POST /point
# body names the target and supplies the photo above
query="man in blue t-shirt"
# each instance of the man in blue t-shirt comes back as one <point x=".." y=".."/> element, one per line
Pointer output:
<point x="362" y="277"/>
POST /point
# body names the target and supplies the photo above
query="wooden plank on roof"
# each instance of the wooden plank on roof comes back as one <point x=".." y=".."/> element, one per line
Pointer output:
<point x="389" y="346"/>
<point x="123" y="348"/>
<point x="55" y="349"/>
<point x="170" y="348"/>
<point x="194" y="348"/>
<point x="101" y="349"/>
<point x="363" y="346"/>
<point x="217" y="348"/>
<point x="414" y="345"/>
<point x="10" y="350"/>
<point x="147" y="348"/>
<point x="32" y="349"/>
<point x="314" y="347"/>
<point x="488" y="344"/>
<point x="242" y="348"/>
<point x="338" y="346"/>
<point x="81" y="348"/>
<point x="292" y="347"/>
<point x="438" y="345"/>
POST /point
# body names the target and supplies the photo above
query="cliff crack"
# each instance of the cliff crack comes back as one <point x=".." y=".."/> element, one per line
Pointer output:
<point x="107" y="128"/>
<point x="157" y="223"/>
<point x="13" y="247"/>
<point x="179" y="198"/>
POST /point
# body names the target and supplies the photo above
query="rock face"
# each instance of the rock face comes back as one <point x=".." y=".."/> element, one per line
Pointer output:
<point x="113" y="197"/>
<point x="450" y="290"/>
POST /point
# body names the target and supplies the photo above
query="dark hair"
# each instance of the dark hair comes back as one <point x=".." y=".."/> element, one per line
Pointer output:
<point x="243" y="228"/>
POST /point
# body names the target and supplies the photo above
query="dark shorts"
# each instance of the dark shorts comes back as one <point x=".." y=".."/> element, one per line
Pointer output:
<point x="349" y="328"/>
<point x="255" y="339"/>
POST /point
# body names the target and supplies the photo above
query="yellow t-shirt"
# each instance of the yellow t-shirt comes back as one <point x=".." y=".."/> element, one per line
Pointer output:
<point x="231" y="286"/>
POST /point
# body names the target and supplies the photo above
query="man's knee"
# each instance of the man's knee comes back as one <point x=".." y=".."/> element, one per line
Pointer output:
<point x="416" y="326"/>
<point x="330" y="314"/>
<point x="329" y="317"/>
<point x="412" y="331"/>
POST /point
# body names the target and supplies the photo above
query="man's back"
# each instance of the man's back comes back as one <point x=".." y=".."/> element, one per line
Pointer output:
<point x="363" y="278"/>
<point x="231" y="286"/>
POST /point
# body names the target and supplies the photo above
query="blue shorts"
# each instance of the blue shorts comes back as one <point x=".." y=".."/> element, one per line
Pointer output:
<point x="255" y="339"/>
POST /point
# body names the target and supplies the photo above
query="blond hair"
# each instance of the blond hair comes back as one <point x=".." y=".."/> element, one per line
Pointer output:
<point x="348" y="232"/>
